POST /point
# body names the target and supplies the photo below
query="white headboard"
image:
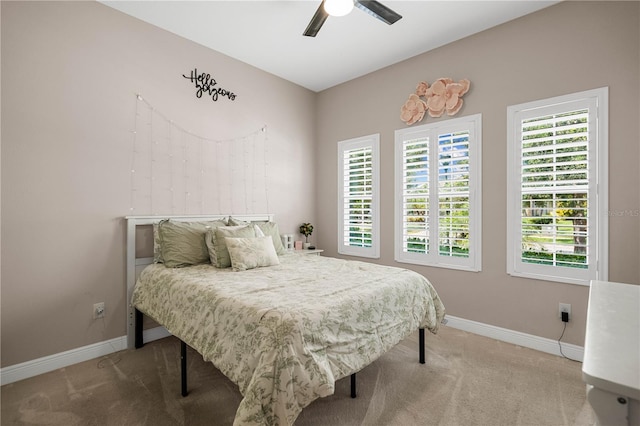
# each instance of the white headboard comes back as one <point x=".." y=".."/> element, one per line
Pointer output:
<point x="135" y="265"/>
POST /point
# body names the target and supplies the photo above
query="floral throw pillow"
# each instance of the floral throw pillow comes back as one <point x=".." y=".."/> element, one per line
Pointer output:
<point x="250" y="253"/>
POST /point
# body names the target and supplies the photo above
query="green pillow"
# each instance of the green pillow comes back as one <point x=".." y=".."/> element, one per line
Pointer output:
<point x="236" y="222"/>
<point x="217" y="246"/>
<point x="183" y="243"/>
<point x="271" y="229"/>
<point x="157" y="246"/>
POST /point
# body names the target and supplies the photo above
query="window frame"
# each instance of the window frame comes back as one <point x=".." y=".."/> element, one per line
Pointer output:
<point x="596" y="101"/>
<point x="432" y="131"/>
<point x="373" y="142"/>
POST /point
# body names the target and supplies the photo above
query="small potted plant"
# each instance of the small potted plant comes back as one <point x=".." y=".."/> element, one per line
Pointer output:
<point x="306" y="229"/>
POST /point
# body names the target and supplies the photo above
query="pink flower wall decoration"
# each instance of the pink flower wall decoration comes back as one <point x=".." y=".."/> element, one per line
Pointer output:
<point x="444" y="95"/>
<point x="413" y="109"/>
<point x="421" y="90"/>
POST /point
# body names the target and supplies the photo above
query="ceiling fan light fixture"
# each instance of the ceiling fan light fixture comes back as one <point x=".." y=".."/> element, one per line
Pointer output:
<point x="338" y="7"/>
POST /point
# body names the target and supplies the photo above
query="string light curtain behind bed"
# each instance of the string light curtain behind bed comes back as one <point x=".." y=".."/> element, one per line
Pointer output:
<point x="176" y="171"/>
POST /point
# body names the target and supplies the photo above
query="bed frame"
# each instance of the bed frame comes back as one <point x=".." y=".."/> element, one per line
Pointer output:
<point x="135" y="265"/>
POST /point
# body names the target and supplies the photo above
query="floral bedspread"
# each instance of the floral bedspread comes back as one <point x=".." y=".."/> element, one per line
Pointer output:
<point x="284" y="334"/>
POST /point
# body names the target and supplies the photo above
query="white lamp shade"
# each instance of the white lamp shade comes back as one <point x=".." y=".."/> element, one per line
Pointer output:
<point x="338" y="7"/>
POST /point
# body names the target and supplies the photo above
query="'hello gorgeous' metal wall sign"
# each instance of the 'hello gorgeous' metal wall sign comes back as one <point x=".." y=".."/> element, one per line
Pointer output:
<point x="205" y="84"/>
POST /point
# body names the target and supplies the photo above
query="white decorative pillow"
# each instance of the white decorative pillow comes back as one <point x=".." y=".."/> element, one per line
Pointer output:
<point x="267" y="228"/>
<point x="249" y="253"/>
<point x="259" y="232"/>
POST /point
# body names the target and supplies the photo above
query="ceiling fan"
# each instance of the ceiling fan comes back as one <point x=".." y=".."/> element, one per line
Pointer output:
<point x="342" y="7"/>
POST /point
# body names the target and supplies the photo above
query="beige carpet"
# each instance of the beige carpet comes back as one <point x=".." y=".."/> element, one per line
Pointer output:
<point x="467" y="380"/>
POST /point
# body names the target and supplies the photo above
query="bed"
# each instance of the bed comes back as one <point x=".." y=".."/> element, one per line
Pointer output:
<point x="284" y="333"/>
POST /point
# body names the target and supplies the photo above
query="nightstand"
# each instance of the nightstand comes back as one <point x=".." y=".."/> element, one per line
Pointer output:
<point x="315" y="252"/>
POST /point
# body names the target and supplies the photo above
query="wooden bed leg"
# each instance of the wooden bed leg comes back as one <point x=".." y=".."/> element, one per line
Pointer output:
<point x="353" y="385"/>
<point x="421" y="344"/>
<point x="183" y="367"/>
<point x="139" y="339"/>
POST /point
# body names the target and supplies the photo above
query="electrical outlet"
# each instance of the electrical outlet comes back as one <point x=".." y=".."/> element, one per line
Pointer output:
<point x="98" y="310"/>
<point x="564" y="307"/>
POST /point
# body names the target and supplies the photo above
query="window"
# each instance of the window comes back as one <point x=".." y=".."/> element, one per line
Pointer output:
<point x="557" y="188"/>
<point x="438" y="207"/>
<point x="358" y="189"/>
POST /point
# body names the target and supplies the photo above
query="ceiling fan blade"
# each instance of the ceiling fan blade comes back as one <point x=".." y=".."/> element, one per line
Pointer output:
<point x="378" y="10"/>
<point x="316" y="22"/>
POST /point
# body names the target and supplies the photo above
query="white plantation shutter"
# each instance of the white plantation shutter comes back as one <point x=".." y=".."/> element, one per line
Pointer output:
<point x="358" y="167"/>
<point x="453" y="194"/>
<point x="437" y="211"/>
<point x="555" y="184"/>
<point x="555" y="212"/>
<point x="358" y="195"/>
<point x="415" y="195"/>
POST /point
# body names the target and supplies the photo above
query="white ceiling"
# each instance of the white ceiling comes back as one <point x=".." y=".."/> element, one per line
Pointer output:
<point x="268" y="34"/>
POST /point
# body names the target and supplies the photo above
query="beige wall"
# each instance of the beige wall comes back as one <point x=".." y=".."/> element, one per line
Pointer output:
<point x="565" y="48"/>
<point x="69" y="74"/>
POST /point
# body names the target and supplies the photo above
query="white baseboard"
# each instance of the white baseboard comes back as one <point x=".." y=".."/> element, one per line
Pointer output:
<point x="517" y="338"/>
<point x="43" y="365"/>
